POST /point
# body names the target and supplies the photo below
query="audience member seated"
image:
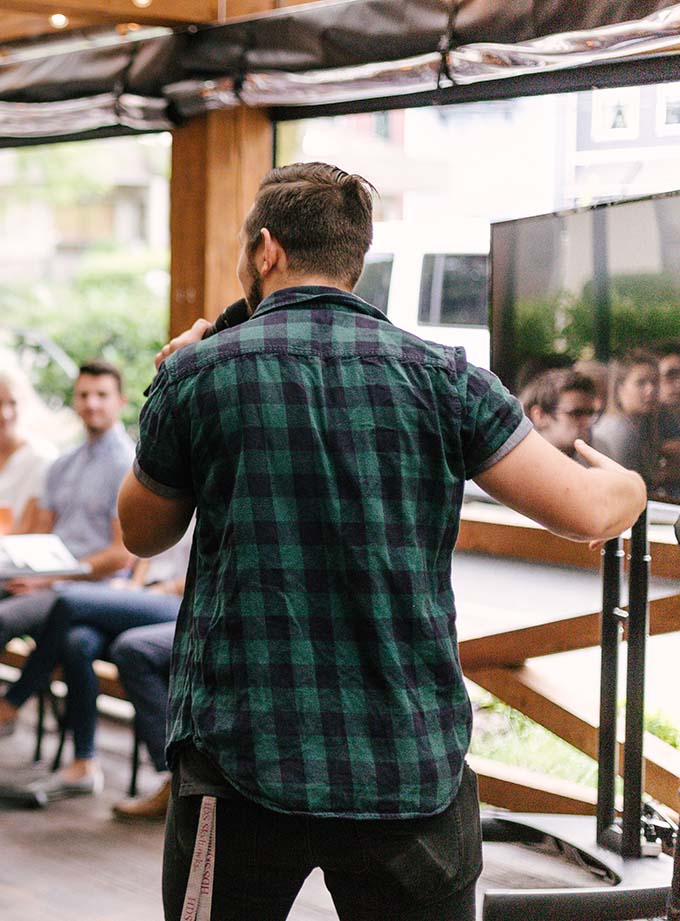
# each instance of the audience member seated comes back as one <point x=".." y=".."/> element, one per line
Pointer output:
<point x="143" y="659"/>
<point x="628" y="431"/>
<point x="79" y="503"/>
<point x="669" y="417"/>
<point x="562" y="404"/>
<point x="598" y="372"/>
<point x="24" y="459"/>
<point x="80" y="627"/>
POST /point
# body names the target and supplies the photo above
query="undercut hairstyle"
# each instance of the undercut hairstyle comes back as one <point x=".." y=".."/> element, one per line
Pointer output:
<point x="98" y="368"/>
<point x="545" y="390"/>
<point x="320" y="215"/>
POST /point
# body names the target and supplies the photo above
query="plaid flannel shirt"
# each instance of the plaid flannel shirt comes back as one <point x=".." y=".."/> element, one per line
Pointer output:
<point x="315" y="658"/>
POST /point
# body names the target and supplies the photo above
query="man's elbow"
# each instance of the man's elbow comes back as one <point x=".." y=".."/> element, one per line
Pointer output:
<point x="616" y="509"/>
<point x="139" y="543"/>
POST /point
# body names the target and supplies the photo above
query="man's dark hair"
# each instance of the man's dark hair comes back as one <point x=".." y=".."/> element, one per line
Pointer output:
<point x="321" y="216"/>
<point x="664" y="349"/>
<point x="546" y="389"/>
<point x="98" y="367"/>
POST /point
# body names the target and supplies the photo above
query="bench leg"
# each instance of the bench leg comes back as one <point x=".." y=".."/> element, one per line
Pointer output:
<point x="60" y="717"/>
<point x="40" y="727"/>
<point x="132" y="791"/>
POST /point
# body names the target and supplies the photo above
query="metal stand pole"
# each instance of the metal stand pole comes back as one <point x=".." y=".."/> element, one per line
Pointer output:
<point x="612" y="572"/>
<point x="638" y="617"/>
<point x="623" y="837"/>
<point x="674" y="898"/>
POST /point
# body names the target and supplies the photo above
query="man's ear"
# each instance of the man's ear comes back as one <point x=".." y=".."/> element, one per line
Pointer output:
<point x="272" y="255"/>
<point x="538" y="417"/>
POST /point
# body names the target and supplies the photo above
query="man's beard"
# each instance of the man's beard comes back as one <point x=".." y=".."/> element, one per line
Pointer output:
<point x="254" y="292"/>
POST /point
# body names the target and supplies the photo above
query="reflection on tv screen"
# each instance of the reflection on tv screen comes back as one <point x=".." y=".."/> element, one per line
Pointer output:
<point x="585" y="326"/>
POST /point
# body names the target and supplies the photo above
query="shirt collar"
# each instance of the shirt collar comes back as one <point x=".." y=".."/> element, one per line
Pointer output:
<point x="115" y="433"/>
<point x="316" y="296"/>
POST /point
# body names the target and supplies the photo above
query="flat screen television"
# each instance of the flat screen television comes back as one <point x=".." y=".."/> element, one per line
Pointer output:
<point x="584" y="284"/>
<point x="593" y="283"/>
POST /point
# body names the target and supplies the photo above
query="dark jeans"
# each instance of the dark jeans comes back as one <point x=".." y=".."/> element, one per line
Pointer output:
<point x="398" y="869"/>
<point x="82" y="623"/>
<point x="143" y="659"/>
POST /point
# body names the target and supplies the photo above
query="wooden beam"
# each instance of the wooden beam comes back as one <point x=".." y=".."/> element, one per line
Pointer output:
<point x="531" y="694"/>
<point x="521" y="790"/>
<point x="159" y="11"/>
<point x="218" y="161"/>
<point x="249" y="7"/>
<point x="497" y="532"/>
<point x="513" y="647"/>
<point x="16" y="26"/>
<point x="30" y="18"/>
<point x="25" y="19"/>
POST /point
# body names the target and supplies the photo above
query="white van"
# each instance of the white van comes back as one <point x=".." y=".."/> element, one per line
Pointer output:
<point x="433" y="280"/>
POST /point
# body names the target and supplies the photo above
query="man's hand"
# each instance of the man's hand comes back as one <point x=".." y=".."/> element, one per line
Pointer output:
<point x="582" y="503"/>
<point x="27" y="584"/>
<point x="597" y="459"/>
<point x="195" y="334"/>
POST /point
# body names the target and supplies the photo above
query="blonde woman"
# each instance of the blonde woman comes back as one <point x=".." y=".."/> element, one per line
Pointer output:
<point x="24" y="459"/>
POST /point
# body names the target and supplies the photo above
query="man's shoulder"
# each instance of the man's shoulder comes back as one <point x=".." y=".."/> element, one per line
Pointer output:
<point x="267" y="334"/>
<point x="119" y="442"/>
<point x="64" y="460"/>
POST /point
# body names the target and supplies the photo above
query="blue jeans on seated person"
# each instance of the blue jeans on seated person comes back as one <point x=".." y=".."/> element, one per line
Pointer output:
<point x="143" y="658"/>
<point x="80" y="627"/>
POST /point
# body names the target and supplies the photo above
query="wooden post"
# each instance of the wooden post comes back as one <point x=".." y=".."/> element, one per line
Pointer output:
<point x="218" y="161"/>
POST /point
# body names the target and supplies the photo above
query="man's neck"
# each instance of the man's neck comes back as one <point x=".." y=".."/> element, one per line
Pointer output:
<point x="92" y="435"/>
<point x="271" y="285"/>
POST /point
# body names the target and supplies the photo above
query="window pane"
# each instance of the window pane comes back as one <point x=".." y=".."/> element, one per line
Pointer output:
<point x="454" y="290"/>
<point x="374" y="284"/>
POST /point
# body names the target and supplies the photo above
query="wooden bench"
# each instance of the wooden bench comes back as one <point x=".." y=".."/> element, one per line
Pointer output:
<point x="15" y="654"/>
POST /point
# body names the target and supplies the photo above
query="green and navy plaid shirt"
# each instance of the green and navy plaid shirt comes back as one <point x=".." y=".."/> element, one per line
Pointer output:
<point x="315" y="659"/>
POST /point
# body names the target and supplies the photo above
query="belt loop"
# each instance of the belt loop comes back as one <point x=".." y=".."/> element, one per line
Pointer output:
<point x="198" y="898"/>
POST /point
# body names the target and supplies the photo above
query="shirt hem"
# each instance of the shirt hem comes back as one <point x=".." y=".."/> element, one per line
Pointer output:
<point x="266" y="803"/>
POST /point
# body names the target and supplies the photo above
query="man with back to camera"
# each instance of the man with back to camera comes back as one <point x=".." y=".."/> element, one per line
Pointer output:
<point x="79" y="501"/>
<point x="318" y="715"/>
<point x="562" y="404"/>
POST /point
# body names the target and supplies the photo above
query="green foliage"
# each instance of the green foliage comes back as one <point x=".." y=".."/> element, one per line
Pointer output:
<point x="644" y="310"/>
<point x="62" y="173"/>
<point x="506" y="735"/>
<point x="535" y="328"/>
<point x="72" y="173"/>
<point x="660" y="725"/>
<point x="115" y="308"/>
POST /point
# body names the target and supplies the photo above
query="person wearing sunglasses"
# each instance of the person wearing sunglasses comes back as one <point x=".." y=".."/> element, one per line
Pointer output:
<point x="562" y="404"/>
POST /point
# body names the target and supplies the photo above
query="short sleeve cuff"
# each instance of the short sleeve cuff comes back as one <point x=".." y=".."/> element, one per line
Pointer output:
<point x="519" y="434"/>
<point x="160" y="489"/>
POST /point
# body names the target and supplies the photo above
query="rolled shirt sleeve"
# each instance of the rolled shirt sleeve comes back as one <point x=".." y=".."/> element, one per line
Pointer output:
<point x="493" y="422"/>
<point x="162" y="462"/>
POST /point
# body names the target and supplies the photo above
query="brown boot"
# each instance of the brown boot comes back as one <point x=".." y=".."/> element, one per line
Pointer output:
<point x="144" y="808"/>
